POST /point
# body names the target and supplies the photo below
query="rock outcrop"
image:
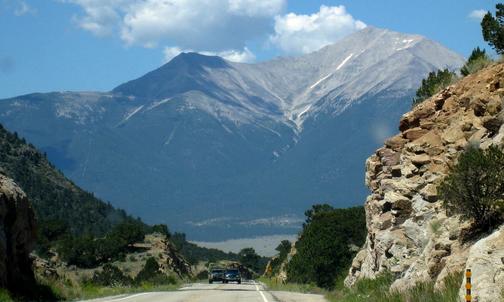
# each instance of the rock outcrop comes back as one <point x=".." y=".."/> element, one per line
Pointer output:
<point x="281" y="275"/>
<point x="17" y="237"/>
<point x="409" y="232"/>
<point x="486" y="261"/>
<point x="166" y="254"/>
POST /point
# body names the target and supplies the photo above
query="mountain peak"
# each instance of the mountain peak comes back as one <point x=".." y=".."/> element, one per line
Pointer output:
<point x="195" y="58"/>
<point x="177" y="76"/>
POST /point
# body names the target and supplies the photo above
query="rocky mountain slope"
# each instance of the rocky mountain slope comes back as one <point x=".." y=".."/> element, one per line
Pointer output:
<point x="17" y="238"/>
<point x="409" y="232"/>
<point x="227" y="149"/>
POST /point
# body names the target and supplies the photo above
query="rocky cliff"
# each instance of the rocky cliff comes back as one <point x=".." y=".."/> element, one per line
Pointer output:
<point x="409" y="232"/>
<point x="17" y="237"/>
<point x="168" y="257"/>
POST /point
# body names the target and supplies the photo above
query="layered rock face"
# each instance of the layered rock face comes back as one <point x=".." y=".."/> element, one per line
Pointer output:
<point x="409" y="232"/>
<point x="166" y="254"/>
<point x="17" y="237"/>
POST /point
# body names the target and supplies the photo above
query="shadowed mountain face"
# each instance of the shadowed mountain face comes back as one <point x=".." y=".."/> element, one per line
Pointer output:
<point x="220" y="149"/>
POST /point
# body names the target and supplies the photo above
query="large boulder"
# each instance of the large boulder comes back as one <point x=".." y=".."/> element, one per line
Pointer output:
<point x="17" y="237"/>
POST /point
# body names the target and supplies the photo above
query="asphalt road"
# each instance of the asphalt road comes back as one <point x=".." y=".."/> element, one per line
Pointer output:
<point x="199" y="292"/>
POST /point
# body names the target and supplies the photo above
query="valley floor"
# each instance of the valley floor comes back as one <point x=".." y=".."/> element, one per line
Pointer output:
<point x="263" y="245"/>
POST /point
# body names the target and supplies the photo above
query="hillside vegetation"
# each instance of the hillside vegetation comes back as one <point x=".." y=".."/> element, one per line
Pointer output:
<point x="58" y="202"/>
<point x="328" y="242"/>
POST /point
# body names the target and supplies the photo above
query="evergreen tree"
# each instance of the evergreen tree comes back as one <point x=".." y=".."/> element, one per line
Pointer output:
<point x="474" y="187"/>
<point x="249" y="258"/>
<point x="435" y="82"/>
<point x="493" y="29"/>
<point x="477" y="60"/>
<point x="323" y="249"/>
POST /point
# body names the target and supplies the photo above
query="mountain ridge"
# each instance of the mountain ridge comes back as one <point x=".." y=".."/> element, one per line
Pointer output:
<point x="240" y="142"/>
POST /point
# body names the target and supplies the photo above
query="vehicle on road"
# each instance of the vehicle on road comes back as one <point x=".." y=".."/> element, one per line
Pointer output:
<point x="216" y="274"/>
<point x="232" y="275"/>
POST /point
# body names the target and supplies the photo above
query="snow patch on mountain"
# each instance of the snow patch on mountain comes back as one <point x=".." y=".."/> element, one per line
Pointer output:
<point x="344" y="61"/>
<point x="132" y="113"/>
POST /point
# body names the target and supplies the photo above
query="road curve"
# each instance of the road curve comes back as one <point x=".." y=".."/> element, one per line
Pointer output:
<point x="199" y="292"/>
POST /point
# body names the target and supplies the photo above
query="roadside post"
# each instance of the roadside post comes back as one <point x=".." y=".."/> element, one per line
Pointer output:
<point x="468" y="286"/>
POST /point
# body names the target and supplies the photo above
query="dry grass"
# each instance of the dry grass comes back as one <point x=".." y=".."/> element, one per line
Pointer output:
<point x="377" y="290"/>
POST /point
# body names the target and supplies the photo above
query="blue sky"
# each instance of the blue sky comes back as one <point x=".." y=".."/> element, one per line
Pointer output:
<point x="56" y="45"/>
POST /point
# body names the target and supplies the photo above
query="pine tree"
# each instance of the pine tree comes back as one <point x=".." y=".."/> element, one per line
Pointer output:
<point x="477" y="60"/>
<point x="493" y="29"/>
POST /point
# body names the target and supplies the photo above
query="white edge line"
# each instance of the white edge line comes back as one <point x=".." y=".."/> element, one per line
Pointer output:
<point x="260" y="292"/>
<point x="129" y="297"/>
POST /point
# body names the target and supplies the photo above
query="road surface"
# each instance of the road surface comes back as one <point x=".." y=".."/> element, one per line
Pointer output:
<point x="199" y="292"/>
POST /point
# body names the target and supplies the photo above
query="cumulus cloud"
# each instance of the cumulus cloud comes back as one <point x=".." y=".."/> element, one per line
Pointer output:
<point x="197" y="24"/>
<point x="299" y="34"/>
<point x="217" y="27"/>
<point x="477" y="14"/>
<point x="244" y="56"/>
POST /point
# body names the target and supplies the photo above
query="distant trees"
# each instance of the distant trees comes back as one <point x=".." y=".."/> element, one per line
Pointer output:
<point x="194" y="254"/>
<point x="493" y="29"/>
<point x="87" y="251"/>
<point x="324" y="247"/>
<point x="161" y="229"/>
<point x="477" y="61"/>
<point x="249" y="258"/>
<point x="435" y="82"/>
<point x="474" y="187"/>
<point x="66" y="215"/>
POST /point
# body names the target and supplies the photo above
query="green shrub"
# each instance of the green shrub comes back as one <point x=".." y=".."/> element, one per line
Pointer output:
<point x="434" y="83"/>
<point x="129" y="231"/>
<point x="111" y="276"/>
<point x="201" y="276"/>
<point x="323" y="250"/>
<point x="151" y="274"/>
<point x="87" y="251"/>
<point x="493" y="29"/>
<point x="474" y="187"/>
<point x="477" y="61"/>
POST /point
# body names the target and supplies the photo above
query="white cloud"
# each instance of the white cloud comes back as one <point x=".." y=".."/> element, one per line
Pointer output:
<point x="172" y="52"/>
<point x="254" y="8"/>
<point x="299" y="34"/>
<point x="215" y="25"/>
<point x="244" y="56"/>
<point x="477" y="14"/>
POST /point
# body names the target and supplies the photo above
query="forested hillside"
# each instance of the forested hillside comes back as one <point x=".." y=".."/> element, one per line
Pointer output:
<point x="57" y="200"/>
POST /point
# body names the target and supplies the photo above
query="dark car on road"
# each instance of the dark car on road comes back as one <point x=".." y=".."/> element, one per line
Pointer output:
<point x="232" y="275"/>
<point x="216" y="274"/>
